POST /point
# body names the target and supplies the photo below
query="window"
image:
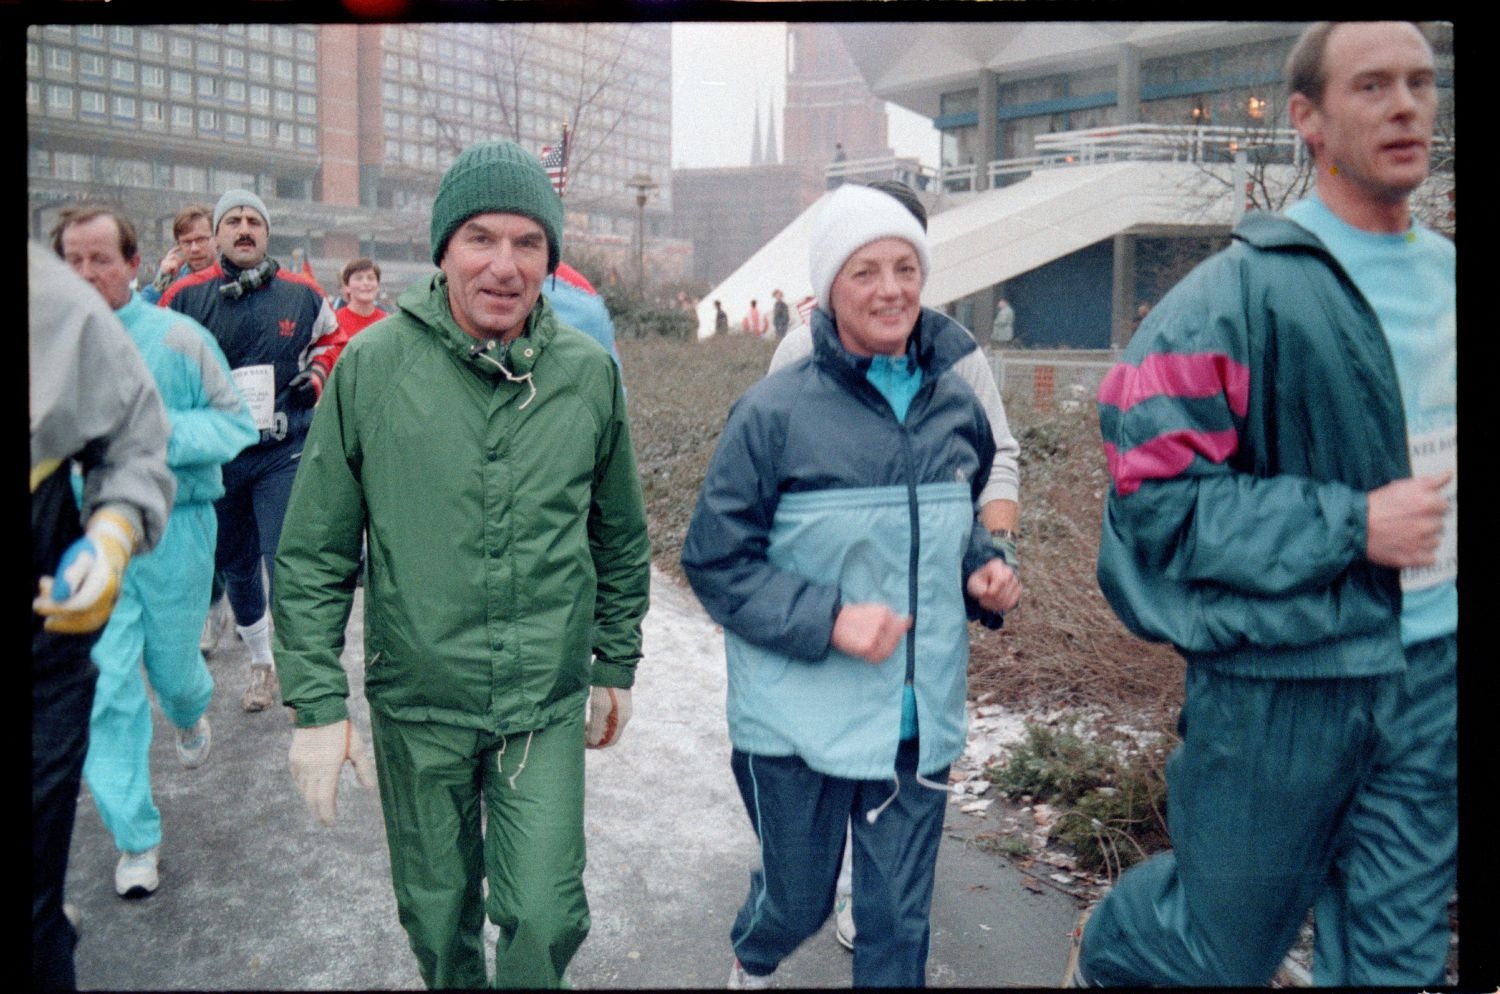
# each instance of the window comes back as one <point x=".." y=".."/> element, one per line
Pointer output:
<point x="234" y="58"/>
<point x="33" y="55"/>
<point x="307" y="105"/>
<point x="122" y="71"/>
<point x="91" y="34"/>
<point x="153" y="77"/>
<point x="282" y="68"/>
<point x="208" y="86"/>
<point x="284" y="132"/>
<point x="306" y="73"/>
<point x="284" y="102"/>
<point x="182" y="117"/>
<point x="151" y="41"/>
<point x="307" y="43"/>
<point x="260" y="97"/>
<point x="91" y="102"/>
<point x="122" y="34"/>
<point x="307" y="137"/>
<point x="123" y="107"/>
<point x="90" y="66"/>
<point x="260" y="128"/>
<point x="151" y="112"/>
<point x="208" y="120"/>
<point x="33" y="94"/>
<point x="234" y="124"/>
<point x="182" y="83"/>
<point x="73" y="166"/>
<point x="181" y="48"/>
<point x="281" y="37"/>
<point x="193" y="179"/>
<point x="234" y="91"/>
<point x="38" y="163"/>
<point x="60" y="59"/>
<point x="260" y="32"/>
<point x="260" y="64"/>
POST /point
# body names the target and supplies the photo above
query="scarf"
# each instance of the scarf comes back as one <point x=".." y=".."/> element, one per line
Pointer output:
<point x="248" y="280"/>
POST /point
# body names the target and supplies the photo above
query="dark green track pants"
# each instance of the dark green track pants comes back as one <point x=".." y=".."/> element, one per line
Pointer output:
<point x="1289" y="793"/>
<point x="435" y="781"/>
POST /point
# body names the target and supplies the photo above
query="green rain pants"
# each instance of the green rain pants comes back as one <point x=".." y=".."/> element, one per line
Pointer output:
<point x="1287" y="793"/>
<point x="438" y="785"/>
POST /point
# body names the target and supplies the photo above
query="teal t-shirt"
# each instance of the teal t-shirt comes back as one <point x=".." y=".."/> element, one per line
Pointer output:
<point x="1409" y="281"/>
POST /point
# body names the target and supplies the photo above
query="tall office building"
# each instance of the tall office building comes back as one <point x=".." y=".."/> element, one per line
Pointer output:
<point x="345" y="130"/>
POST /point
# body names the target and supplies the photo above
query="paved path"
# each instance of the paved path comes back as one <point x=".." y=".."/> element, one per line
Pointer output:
<point x="255" y="895"/>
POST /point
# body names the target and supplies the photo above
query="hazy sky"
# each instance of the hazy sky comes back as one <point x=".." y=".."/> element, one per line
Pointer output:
<point x="720" y="70"/>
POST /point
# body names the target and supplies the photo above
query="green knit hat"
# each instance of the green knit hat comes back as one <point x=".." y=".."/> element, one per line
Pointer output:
<point x="502" y="177"/>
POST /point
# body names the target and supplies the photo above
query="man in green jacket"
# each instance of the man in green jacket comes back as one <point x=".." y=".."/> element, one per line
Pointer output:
<point x="482" y="448"/>
<point x="1282" y="437"/>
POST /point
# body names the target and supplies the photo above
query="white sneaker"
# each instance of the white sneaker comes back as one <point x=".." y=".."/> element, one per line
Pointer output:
<point x="193" y="743"/>
<point x="263" y="690"/>
<point x="739" y="980"/>
<point x="843" y="922"/>
<point x="136" y="874"/>
<point x="219" y="620"/>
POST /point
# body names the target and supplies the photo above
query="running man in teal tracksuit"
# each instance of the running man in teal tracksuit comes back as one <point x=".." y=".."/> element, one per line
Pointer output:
<point x="164" y="597"/>
<point x="1282" y="439"/>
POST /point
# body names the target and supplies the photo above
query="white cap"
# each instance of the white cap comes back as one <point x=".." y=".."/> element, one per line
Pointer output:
<point x="851" y="218"/>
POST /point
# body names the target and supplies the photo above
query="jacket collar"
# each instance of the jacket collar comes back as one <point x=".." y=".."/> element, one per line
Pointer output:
<point x="427" y="302"/>
<point x="938" y="342"/>
<point x="1265" y="230"/>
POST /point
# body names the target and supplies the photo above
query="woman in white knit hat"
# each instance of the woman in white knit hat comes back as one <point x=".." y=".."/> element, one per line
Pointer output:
<point x="836" y="541"/>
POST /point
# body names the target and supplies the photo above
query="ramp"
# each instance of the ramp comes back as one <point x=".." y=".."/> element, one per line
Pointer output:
<point x="999" y="234"/>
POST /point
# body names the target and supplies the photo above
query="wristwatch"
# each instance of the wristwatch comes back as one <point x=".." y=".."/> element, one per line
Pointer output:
<point x="1004" y="540"/>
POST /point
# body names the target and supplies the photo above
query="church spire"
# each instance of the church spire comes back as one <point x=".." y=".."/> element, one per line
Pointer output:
<point x="771" y="156"/>
<point x="756" y="158"/>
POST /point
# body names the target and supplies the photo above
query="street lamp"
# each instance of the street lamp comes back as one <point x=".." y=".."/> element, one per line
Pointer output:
<point x="642" y="185"/>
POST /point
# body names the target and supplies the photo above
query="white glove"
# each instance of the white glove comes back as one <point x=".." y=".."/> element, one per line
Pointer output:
<point x="317" y="758"/>
<point x="609" y="711"/>
<point x="80" y="596"/>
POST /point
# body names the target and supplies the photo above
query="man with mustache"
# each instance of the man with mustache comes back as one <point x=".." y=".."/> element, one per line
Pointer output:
<point x="278" y="334"/>
<point x="1282" y="438"/>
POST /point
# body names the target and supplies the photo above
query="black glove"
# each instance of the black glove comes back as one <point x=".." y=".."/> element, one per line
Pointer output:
<point x="305" y="387"/>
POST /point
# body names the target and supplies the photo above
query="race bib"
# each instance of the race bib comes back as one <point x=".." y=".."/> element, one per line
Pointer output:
<point x="1432" y="454"/>
<point x="258" y="386"/>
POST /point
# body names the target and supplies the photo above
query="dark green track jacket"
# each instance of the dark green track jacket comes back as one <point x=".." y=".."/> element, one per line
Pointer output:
<point x="507" y="534"/>
<point x="1253" y="411"/>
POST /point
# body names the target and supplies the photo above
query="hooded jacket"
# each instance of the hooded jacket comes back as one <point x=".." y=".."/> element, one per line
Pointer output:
<point x="1255" y="408"/>
<point x="506" y="530"/>
<point x="818" y="496"/>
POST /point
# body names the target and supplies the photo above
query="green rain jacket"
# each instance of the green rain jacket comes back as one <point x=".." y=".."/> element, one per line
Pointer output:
<point x="1250" y="415"/>
<point x="507" y="534"/>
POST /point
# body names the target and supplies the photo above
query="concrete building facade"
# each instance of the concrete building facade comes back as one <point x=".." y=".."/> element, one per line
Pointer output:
<point x="344" y="130"/>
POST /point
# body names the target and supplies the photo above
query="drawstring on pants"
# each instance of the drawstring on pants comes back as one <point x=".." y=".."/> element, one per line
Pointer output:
<point x="875" y="813"/>
<point x="500" y="759"/>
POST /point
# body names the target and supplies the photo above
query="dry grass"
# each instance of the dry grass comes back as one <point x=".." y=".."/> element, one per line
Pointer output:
<point x="1062" y="647"/>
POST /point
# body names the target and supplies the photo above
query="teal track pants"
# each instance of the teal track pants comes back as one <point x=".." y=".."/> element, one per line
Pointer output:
<point x="453" y="817"/>
<point x="1289" y="793"/>
<point x="157" y="621"/>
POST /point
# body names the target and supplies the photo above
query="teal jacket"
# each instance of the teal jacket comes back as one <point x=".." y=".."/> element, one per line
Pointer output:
<point x="506" y="530"/>
<point x="210" y="421"/>
<point x="1253" y="411"/>
<point x="818" y="496"/>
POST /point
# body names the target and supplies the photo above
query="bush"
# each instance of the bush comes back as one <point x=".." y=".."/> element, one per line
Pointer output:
<point x="637" y="317"/>
<point x="1115" y="792"/>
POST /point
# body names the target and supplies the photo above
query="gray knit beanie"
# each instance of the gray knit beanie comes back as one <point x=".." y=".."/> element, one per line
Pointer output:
<point x="501" y="177"/>
<point x="240" y="198"/>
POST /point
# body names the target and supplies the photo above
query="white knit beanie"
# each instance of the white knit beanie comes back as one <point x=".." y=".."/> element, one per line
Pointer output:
<point x="853" y="217"/>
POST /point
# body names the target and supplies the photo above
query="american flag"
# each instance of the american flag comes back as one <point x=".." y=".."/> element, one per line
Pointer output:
<point x="555" y="161"/>
<point x="805" y="308"/>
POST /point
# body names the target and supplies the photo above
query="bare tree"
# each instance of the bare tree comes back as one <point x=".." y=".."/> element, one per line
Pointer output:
<point x="545" y="75"/>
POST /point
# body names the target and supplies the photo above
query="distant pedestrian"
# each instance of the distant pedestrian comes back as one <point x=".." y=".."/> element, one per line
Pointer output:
<point x="164" y="596"/>
<point x="721" y="319"/>
<point x="838" y="635"/>
<point x="781" y="315"/>
<point x="484" y="448"/>
<point x="754" y="322"/>
<point x="359" y="289"/>
<point x="1003" y="330"/>
<point x="192" y="227"/>
<point x="92" y="402"/>
<point x="838" y="159"/>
